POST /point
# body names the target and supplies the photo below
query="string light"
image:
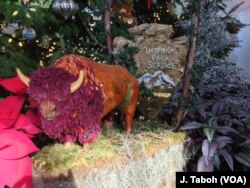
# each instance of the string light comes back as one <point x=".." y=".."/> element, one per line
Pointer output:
<point x="28" y="15"/>
<point x="20" y="44"/>
<point x="49" y="55"/>
<point x="10" y="40"/>
<point x="32" y="9"/>
<point x="15" y="13"/>
<point x="41" y="63"/>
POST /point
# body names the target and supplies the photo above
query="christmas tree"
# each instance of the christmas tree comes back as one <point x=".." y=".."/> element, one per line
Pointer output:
<point x="34" y="35"/>
<point x="36" y="32"/>
<point x="214" y="42"/>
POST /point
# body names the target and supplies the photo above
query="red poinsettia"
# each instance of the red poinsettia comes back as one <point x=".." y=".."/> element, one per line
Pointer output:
<point x="16" y="166"/>
<point x="149" y="4"/>
<point x="15" y="130"/>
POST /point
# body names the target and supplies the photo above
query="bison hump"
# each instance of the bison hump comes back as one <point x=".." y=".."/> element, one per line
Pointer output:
<point x="74" y="63"/>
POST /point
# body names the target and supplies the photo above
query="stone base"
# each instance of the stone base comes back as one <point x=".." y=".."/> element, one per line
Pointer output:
<point x="151" y="168"/>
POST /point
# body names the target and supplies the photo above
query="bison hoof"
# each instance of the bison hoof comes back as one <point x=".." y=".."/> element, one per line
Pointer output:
<point x="127" y="131"/>
<point x="85" y="146"/>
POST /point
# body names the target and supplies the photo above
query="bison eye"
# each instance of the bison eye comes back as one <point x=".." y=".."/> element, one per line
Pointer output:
<point x="90" y="103"/>
<point x="48" y="110"/>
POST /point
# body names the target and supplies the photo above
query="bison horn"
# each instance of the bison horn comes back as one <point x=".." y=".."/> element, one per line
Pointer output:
<point x="25" y="79"/>
<point x="76" y="84"/>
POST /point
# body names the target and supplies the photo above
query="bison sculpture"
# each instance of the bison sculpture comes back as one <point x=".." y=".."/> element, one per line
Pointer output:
<point x="76" y="93"/>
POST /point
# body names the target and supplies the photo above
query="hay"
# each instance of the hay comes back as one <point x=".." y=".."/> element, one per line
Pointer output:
<point x="148" y="172"/>
<point x="146" y="159"/>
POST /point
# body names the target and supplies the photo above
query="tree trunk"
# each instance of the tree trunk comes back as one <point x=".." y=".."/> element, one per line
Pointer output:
<point x="107" y="22"/>
<point x="180" y="113"/>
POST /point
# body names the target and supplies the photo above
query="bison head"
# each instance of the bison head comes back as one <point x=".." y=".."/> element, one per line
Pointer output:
<point x="49" y="86"/>
<point x="70" y="110"/>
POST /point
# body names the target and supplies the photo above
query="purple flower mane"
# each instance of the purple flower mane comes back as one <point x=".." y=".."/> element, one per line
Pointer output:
<point x="78" y="114"/>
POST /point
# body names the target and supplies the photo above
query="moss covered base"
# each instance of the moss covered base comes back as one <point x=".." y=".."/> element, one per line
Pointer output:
<point x="142" y="160"/>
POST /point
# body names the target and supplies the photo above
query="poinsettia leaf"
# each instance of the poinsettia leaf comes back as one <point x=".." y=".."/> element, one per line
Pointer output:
<point x="191" y="125"/>
<point x="32" y="102"/>
<point x="228" y="158"/>
<point x="202" y="167"/>
<point x="15" y="145"/>
<point x="34" y="117"/>
<point x="4" y="126"/>
<point x="9" y="110"/>
<point x="16" y="173"/>
<point x="24" y="123"/>
<point x="205" y="150"/>
<point x="14" y="85"/>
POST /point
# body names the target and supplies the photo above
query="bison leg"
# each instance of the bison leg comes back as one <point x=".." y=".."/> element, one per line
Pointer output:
<point x="130" y="108"/>
<point x="108" y="121"/>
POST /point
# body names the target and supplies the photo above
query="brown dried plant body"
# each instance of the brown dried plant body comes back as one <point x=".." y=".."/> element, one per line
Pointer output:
<point x="120" y="89"/>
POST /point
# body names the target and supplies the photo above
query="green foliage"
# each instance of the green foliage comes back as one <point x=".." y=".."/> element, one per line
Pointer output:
<point x="159" y="12"/>
<point x="145" y="92"/>
<point x="125" y="58"/>
<point x="79" y="34"/>
<point x="234" y="25"/>
<point x="12" y="56"/>
<point x="120" y="28"/>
